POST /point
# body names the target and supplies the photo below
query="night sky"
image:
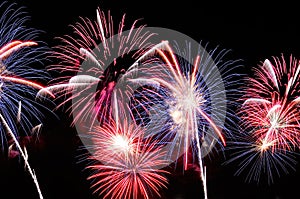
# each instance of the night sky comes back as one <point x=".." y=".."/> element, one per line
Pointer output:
<point x="253" y="32"/>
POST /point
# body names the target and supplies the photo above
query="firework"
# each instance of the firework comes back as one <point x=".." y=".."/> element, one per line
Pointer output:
<point x="270" y="119"/>
<point x="187" y="88"/>
<point x="186" y="106"/>
<point x="104" y="56"/>
<point x="130" y="165"/>
<point x="112" y="139"/>
<point x="193" y="95"/>
<point x="18" y="52"/>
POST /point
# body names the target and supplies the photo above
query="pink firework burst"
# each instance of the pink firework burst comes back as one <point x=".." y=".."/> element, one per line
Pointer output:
<point x="104" y="56"/>
<point x="271" y="104"/>
<point x="270" y="119"/>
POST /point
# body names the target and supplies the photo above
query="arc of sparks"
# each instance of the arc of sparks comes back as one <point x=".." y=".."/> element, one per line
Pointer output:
<point x="267" y="64"/>
<point x="26" y="82"/>
<point x="13" y="46"/>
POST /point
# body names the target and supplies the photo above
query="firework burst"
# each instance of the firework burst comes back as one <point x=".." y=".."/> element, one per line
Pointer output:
<point x="187" y="91"/>
<point x="186" y="106"/>
<point x="104" y="55"/>
<point x="131" y="166"/>
<point x="270" y="119"/>
<point x="18" y="52"/>
<point x="18" y="108"/>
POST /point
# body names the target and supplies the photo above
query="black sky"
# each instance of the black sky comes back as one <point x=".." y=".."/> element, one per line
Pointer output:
<point x="252" y="31"/>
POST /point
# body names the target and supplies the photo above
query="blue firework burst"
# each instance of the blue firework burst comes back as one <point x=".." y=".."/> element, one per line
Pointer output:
<point x="21" y="73"/>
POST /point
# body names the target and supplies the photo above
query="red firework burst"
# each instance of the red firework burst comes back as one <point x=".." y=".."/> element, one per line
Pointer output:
<point x="271" y="104"/>
<point x="130" y="165"/>
<point x="270" y="120"/>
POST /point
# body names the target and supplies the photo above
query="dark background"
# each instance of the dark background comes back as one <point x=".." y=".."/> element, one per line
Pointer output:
<point x="252" y="31"/>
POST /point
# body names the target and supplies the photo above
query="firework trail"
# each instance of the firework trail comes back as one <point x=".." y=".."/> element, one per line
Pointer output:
<point x="18" y="51"/>
<point x="106" y="55"/>
<point x="270" y="119"/>
<point x="182" y="104"/>
<point x="23" y="154"/>
<point x="125" y="163"/>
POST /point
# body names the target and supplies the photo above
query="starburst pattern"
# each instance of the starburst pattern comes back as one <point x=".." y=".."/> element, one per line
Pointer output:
<point x="270" y="120"/>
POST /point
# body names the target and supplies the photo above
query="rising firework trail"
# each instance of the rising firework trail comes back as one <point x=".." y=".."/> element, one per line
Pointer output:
<point x="23" y="154"/>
